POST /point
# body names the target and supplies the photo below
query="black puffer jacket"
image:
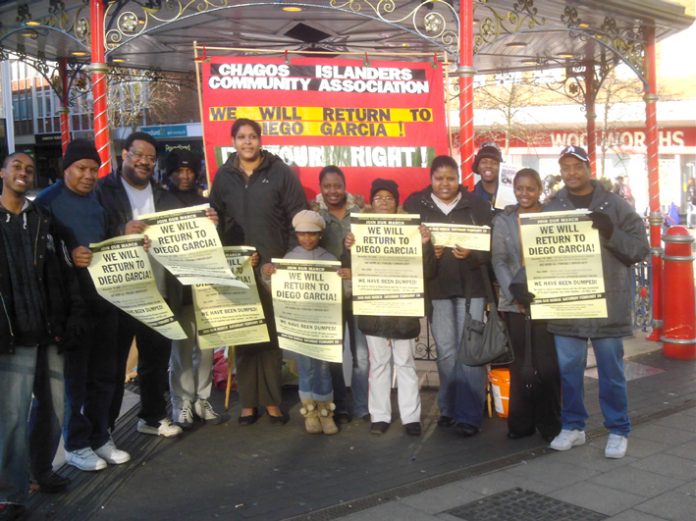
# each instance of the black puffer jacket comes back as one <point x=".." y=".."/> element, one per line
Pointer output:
<point x="454" y="276"/>
<point x="398" y="327"/>
<point x="113" y="198"/>
<point x="257" y="210"/>
<point x="60" y="297"/>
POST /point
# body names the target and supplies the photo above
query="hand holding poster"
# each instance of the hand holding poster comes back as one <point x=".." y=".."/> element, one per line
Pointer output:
<point x="307" y="303"/>
<point x="387" y="265"/>
<point x="186" y="242"/>
<point x="563" y="258"/>
<point x="122" y="274"/>
<point x="230" y="315"/>
<point x="463" y="235"/>
<point x="506" y="191"/>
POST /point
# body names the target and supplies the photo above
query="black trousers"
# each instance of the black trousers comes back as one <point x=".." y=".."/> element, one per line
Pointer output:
<point x="259" y="365"/>
<point x="153" y="364"/>
<point x="337" y="379"/>
<point x="90" y="381"/>
<point x="534" y="404"/>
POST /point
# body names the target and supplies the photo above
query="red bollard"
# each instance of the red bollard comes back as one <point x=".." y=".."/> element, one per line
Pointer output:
<point x="679" y="331"/>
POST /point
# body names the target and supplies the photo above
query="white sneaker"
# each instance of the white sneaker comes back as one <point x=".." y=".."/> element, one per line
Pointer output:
<point x="111" y="454"/>
<point x="205" y="411"/>
<point x="568" y="439"/>
<point x="166" y="428"/>
<point x="84" y="459"/>
<point x="616" y="446"/>
<point x="185" y="417"/>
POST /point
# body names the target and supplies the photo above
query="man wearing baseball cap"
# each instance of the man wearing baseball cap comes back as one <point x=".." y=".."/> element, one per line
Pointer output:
<point x="90" y="365"/>
<point x="623" y="242"/>
<point x="487" y="166"/>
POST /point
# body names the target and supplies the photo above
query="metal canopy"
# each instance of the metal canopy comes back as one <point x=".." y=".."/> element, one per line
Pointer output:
<point x="508" y="35"/>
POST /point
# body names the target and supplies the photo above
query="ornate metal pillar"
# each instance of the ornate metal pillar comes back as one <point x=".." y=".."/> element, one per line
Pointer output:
<point x="590" y="115"/>
<point x="99" y="69"/>
<point x="64" y="106"/>
<point x="466" y="90"/>
<point x="653" y="181"/>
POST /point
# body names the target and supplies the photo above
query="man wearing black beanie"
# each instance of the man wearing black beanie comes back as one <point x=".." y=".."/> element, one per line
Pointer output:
<point x="90" y="365"/>
<point x="487" y="166"/>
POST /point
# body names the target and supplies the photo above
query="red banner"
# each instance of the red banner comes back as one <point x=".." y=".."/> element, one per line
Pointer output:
<point x="376" y="119"/>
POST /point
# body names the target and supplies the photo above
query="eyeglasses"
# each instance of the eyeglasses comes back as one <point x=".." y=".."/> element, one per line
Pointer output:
<point x="142" y="157"/>
<point x="384" y="199"/>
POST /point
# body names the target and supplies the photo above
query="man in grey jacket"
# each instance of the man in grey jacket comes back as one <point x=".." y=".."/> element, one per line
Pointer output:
<point x="624" y="242"/>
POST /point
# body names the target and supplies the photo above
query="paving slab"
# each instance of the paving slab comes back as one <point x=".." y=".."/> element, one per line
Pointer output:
<point x="636" y="481"/>
<point x="634" y="515"/>
<point x="668" y="465"/>
<point x="598" y="498"/>
<point x="671" y="505"/>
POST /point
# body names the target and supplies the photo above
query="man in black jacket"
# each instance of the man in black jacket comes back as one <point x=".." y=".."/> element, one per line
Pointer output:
<point x="125" y="196"/>
<point x="39" y="309"/>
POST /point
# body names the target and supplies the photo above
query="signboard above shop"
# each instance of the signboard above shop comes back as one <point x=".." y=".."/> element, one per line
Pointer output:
<point x="163" y="131"/>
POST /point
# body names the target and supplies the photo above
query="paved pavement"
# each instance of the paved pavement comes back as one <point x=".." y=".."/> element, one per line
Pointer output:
<point x="266" y="472"/>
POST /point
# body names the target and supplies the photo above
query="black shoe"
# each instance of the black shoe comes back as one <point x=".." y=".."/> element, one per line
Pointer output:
<point x="517" y="435"/>
<point x="466" y="430"/>
<point x="279" y="420"/>
<point x="342" y="417"/>
<point x="11" y="511"/>
<point x="249" y="420"/>
<point x="52" y="483"/>
<point x="445" y="421"/>
<point x="379" y="428"/>
<point x="413" y="429"/>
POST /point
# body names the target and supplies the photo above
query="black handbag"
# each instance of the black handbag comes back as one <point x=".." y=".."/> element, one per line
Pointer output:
<point x="485" y="342"/>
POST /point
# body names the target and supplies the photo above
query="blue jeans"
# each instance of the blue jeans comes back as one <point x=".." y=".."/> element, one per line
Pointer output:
<point x="314" y="379"/>
<point x="16" y="383"/>
<point x="613" y="399"/>
<point x="462" y="391"/>
<point x="361" y="366"/>
<point x="47" y="411"/>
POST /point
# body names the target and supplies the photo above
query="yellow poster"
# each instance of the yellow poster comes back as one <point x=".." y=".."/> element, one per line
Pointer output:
<point x="187" y="244"/>
<point x="307" y="303"/>
<point x="387" y="264"/>
<point x="230" y="315"/>
<point x="122" y="274"/>
<point x="563" y="258"/>
<point x="463" y="235"/>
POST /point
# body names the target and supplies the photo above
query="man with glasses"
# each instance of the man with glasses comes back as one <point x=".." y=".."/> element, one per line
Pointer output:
<point x="126" y="195"/>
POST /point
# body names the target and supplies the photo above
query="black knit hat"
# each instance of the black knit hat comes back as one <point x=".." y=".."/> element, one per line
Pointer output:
<point x="80" y="149"/>
<point x="182" y="158"/>
<point x="489" y="150"/>
<point x="384" y="184"/>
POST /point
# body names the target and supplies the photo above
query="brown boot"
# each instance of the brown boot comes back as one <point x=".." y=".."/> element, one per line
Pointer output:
<point x="326" y="412"/>
<point x="311" y="415"/>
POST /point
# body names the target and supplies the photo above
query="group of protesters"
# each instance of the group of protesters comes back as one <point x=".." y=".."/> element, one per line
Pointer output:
<point x="67" y="347"/>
